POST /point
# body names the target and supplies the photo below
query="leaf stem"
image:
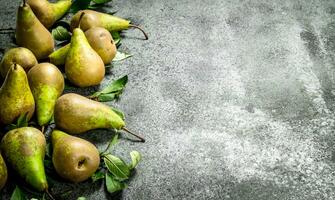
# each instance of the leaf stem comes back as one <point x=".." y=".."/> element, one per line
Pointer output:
<point x="144" y="33"/>
<point x="139" y="137"/>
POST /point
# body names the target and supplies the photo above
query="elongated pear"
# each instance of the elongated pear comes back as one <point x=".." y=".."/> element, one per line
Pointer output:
<point x="99" y="39"/>
<point x="20" y="55"/>
<point x="74" y="159"/>
<point x="15" y="96"/>
<point x="30" y="33"/>
<point x="47" y="84"/>
<point x="24" y="151"/>
<point x="98" y="19"/>
<point x="83" y="66"/>
<point x="3" y="173"/>
<point x="48" y="13"/>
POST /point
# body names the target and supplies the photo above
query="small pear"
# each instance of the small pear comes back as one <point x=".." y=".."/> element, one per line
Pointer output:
<point x="30" y="33"/>
<point x="97" y="19"/>
<point x="74" y="159"/>
<point x="48" y="13"/>
<point x="83" y="66"/>
<point x="24" y="151"/>
<point x="47" y="84"/>
<point x="3" y="173"/>
<point x="20" y="55"/>
<point x="77" y="114"/>
<point x="99" y="39"/>
<point x="15" y="96"/>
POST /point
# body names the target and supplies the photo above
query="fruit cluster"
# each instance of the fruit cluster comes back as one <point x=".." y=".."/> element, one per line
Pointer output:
<point x="36" y="89"/>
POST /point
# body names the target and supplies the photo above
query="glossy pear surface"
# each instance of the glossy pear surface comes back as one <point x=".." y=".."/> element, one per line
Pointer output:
<point x="77" y="114"/>
<point x="58" y="57"/>
<point x="15" y="96"/>
<point x="20" y="55"/>
<point x="74" y="159"/>
<point x="48" y="13"/>
<point x="97" y="19"/>
<point x="24" y="151"/>
<point x="30" y="33"/>
<point x="102" y="42"/>
<point x="83" y="66"/>
<point x="47" y="84"/>
<point x="3" y="173"/>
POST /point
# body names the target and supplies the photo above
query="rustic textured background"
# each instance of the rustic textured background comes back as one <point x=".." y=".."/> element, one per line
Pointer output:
<point x="236" y="100"/>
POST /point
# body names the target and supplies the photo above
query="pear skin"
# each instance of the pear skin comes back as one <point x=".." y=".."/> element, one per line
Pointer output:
<point x="48" y="13"/>
<point x="30" y="33"/>
<point x="74" y="159"/>
<point x="3" y="173"/>
<point x="15" y="96"/>
<point x="47" y="84"/>
<point x="20" y="55"/>
<point x="58" y="57"/>
<point x="77" y="114"/>
<point x="24" y="151"/>
<point x="83" y="66"/>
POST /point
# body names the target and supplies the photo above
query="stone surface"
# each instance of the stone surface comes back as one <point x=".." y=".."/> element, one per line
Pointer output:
<point x="235" y="98"/>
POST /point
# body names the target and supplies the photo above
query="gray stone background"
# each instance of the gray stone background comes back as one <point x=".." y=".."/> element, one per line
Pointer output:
<point x="235" y="99"/>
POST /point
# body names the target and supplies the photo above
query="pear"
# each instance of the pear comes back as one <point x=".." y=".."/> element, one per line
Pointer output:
<point x="30" y="33"/>
<point x="99" y="39"/>
<point x="20" y="55"/>
<point x="48" y="13"/>
<point x="24" y="151"/>
<point x="74" y="159"/>
<point x="3" y="173"/>
<point x="47" y="84"/>
<point x="98" y="19"/>
<point x="15" y="96"/>
<point x="83" y="66"/>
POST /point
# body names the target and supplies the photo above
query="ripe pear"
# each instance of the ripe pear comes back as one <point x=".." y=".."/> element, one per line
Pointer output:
<point x="3" y="173"/>
<point x="20" y="55"/>
<point x="15" y="96"/>
<point x="30" y="33"/>
<point x="74" y="159"/>
<point x="24" y="151"/>
<point x="77" y="114"/>
<point x="100" y="40"/>
<point x="98" y="19"/>
<point x="83" y="66"/>
<point x="48" y="13"/>
<point x="47" y="84"/>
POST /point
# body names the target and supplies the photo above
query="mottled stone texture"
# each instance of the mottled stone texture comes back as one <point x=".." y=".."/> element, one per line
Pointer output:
<point x="236" y="100"/>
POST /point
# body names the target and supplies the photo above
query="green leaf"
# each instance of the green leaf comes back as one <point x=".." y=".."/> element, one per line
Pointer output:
<point x="119" y="112"/>
<point x="117" y="167"/>
<point x="79" y="5"/>
<point x="18" y="194"/>
<point x="60" y="33"/>
<point x="112" y="184"/>
<point x="107" y="97"/>
<point x="48" y="151"/>
<point x="114" y="87"/>
<point x="97" y="176"/>
<point x="135" y="159"/>
<point x="121" y="56"/>
<point x="101" y="1"/>
<point x="116" y="37"/>
<point x="111" y="144"/>
<point x="81" y="198"/>
<point x="22" y="121"/>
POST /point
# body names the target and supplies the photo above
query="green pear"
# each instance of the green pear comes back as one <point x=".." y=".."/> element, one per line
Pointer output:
<point x="97" y="19"/>
<point x="47" y="84"/>
<point x="15" y="96"/>
<point x="100" y="40"/>
<point x="74" y="159"/>
<point x="77" y="114"/>
<point x="83" y="66"/>
<point x="30" y="33"/>
<point x="3" y="173"/>
<point x="24" y="151"/>
<point x="20" y="55"/>
<point x="48" y="13"/>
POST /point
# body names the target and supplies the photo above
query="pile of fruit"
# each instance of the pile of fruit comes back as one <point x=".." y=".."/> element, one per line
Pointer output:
<point x="32" y="98"/>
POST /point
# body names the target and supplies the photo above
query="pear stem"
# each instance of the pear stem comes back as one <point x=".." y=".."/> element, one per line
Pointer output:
<point x="80" y="18"/>
<point x="144" y="33"/>
<point x="24" y="2"/>
<point x="139" y="137"/>
<point x="48" y="193"/>
<point x="42" y="129"/>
